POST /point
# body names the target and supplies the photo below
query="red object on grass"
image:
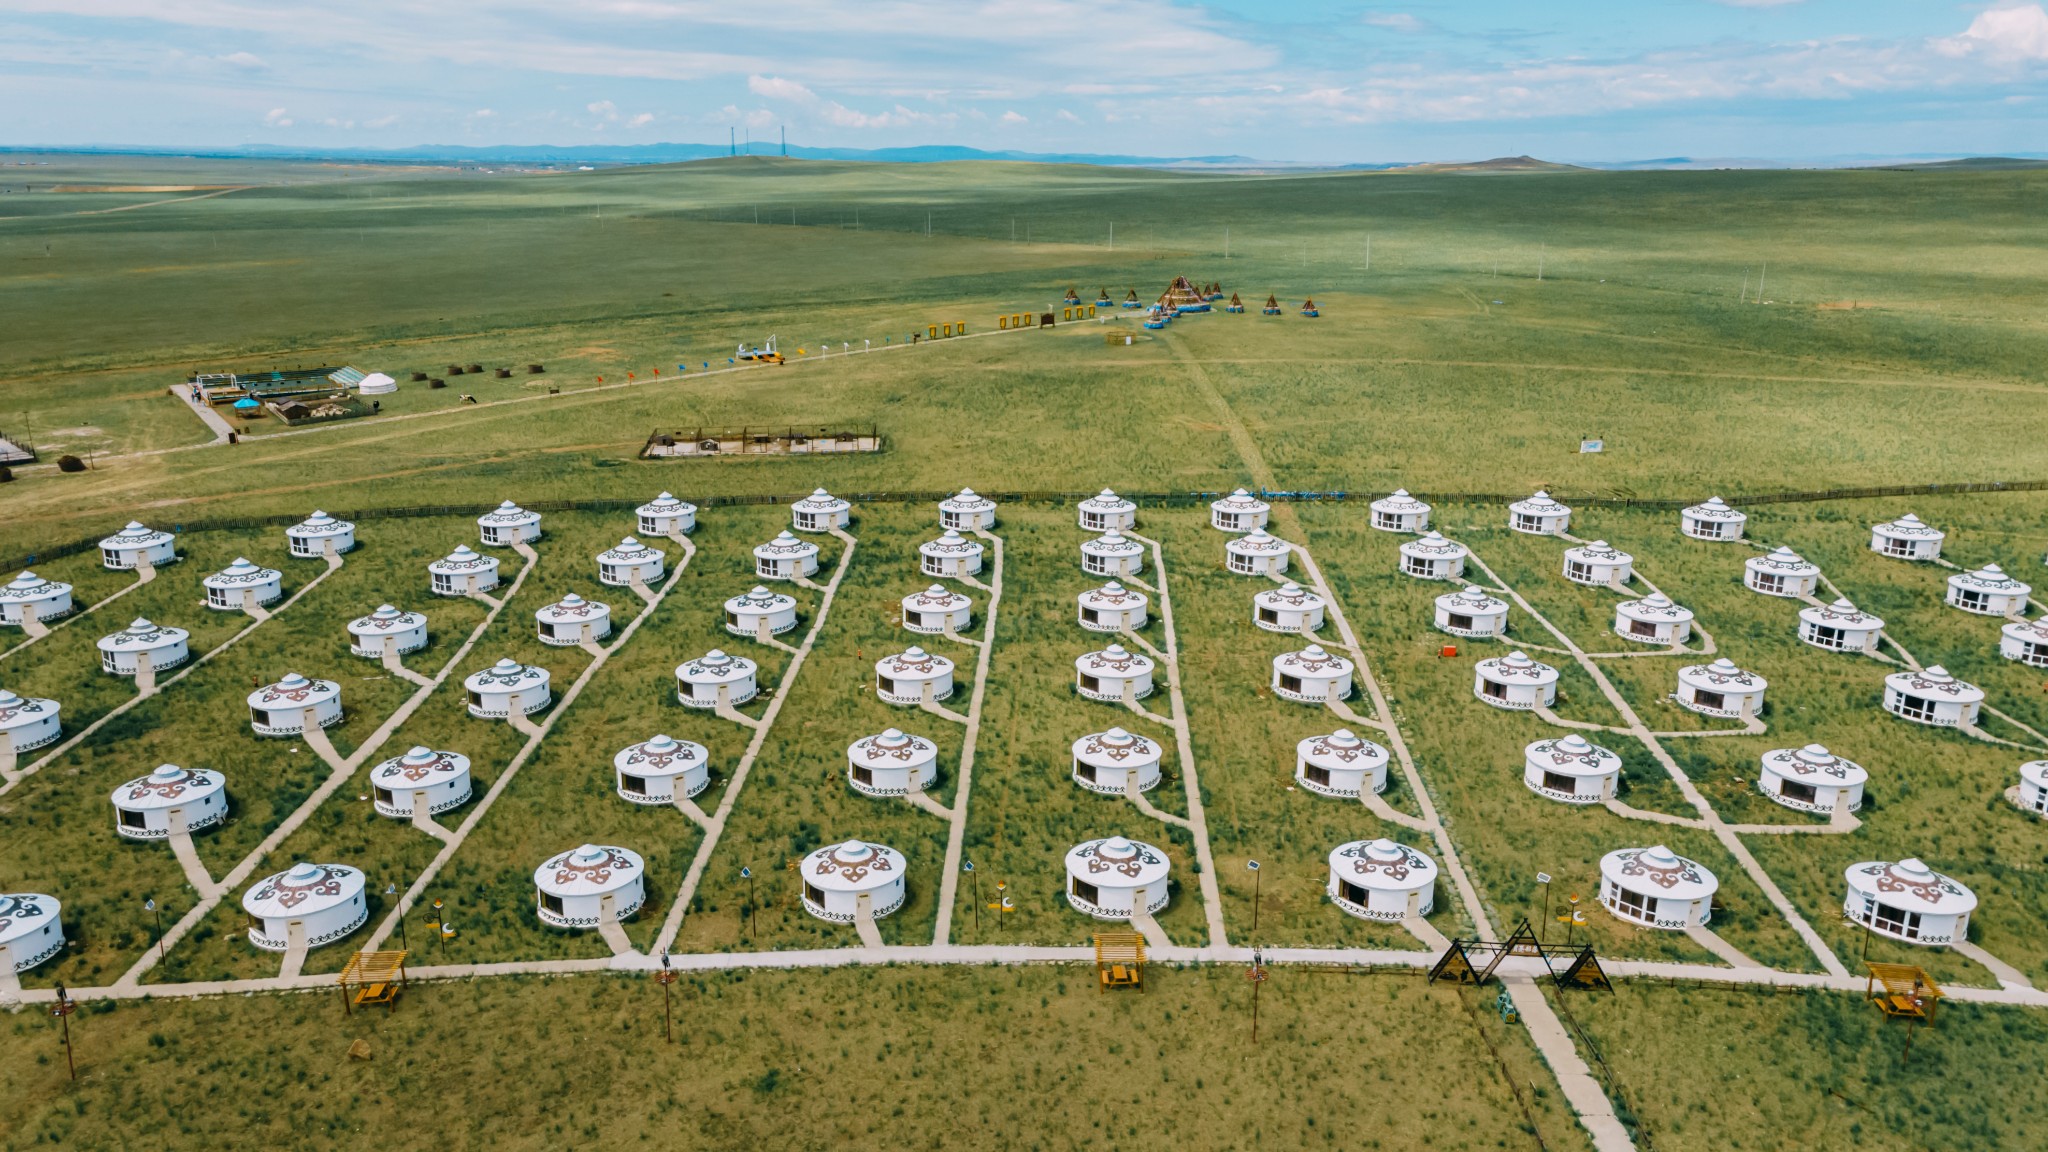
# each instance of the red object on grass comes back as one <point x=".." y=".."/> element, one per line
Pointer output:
<point x="1448" y="650"/>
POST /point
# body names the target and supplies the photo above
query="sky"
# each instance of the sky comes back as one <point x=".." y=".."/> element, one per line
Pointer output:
<point x="1324" y="81"/>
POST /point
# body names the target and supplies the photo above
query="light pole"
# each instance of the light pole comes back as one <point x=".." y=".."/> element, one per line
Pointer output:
<point x="1257" y="976"/>
<point x="1543" y="933"/>
<point x="747" y="874"/>
<point x="149" y="905"/>
<point x="62" y="1010"/>
<point x="1253" y="867"/>
<point x="666" y="977"/>
<point x="392" y="890"/>
<point x="967" y="866"/>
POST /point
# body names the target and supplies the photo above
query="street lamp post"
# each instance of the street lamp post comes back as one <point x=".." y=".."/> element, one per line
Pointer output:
<point x="967" y="866"/>
<point x="1253" y="867"/>
<point x="149" y="905"/>
<point x="62" y="1010"/>
<point x="392" y="890"/>
<point x="666" y="977"/>
<point x="1257" y="976"/>
<point x="747" y="874"/>
<point x="1543" y="932"/>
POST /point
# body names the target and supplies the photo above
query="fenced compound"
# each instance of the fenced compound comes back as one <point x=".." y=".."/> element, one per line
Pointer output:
<point x="704" y="442"/>
<point x="16" y="449"/>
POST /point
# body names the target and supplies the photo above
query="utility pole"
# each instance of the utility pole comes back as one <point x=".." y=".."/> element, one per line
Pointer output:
<point x="1112" y="236"/>
<point x="1760" y="281"/>
<point x="1541" y="251"/>
<point x="1226" y="241"/>
<point x="1368" y="251"/>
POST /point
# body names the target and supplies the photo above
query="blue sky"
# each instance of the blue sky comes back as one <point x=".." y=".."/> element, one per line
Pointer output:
<point x="1314" y="80"/>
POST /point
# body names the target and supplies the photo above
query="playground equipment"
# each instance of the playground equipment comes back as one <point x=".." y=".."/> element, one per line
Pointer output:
<point x="764" y="353"/>
<point x="1235" y="304"/>
<point x="1272" y="306"/>
<point x="1181" y="296"/>
<point x="1131" y="301"/>
<point x="1308" y="308"/>
<point x="1102" y="300"/>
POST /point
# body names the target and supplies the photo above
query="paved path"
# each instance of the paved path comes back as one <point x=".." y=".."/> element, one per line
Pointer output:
<point x="956" y="834"/>
<point x="220" y="428"/>
<point x="1584" y="1093"/>
<point x="143" y="575"/>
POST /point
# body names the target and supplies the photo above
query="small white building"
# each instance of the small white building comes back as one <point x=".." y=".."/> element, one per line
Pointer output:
<point x="1988" y="592"/>
<point x="2025" y="641"/>
<point x="1311" y="676"/>
<point x="630" y="560"/>
<point x="759" y="612"/>
<point x="1539" y="515"/>
<point x="311" y="903"/>
<point x="1113" y="608"/>
<point x="1600" y="564"/>
<point x="966" y="511"/>
<point x="376" y="384"/>
<point x="1288" y="608"/>
<point x="144" y="645"/>
<point x="1113" y="878"/>
<point x="936" y="609"/>
<point x="1431" y="557"/>
<point x="951" y="555"/>
<point x="913" y="676"/>
<point x="1111" y="673"/>
<point x="666" y="515"/>
<point x="387" y="630"/>
<point x="1107" y="762"/>
<point x="1342" y="764"/>
<point x="1721" y="689"/>
<point x="658" y="771"/>
<point x="1112" y="554"/>
<point x="1381" y="880"/>
<point x="27" y="722"/>
<point x="1656" y="888"/>
<point x="892" y="763"/>
<point x="508" y="524"/>
<point x="1515" y="681"/>
<point x="1653" y="620"/>
<point x="1932" y="696"/>
<point x="31" y="929"/>
<point x="1713" y="520"/>
<point x="463" y="572"/>
<point x="1256" y="554"/>
<point x="1811" y="779"/>
<point x="1472" y="613"/>
<point x="1239" y="512"/>
<point x="1400" y="512"/>
<point x="573" y="620"/>
<point x="2033" y="794"/>
<point x="243" y="585"/>
<point x="439" y="780"/>
<point x="785" y="558"/>
<point x="507" y="688"/>
<point x="820" y="512"/>
<point x="1106" y="510"/>
<point x="1781" y="572"/>
<point x="282" y="709"/>
<point x="838" y="877"/>
<point x="1908" y="901"/>
<point x="1907" y="538"/>
<point x="320" y="535"/>
<point x="701" y="682"/>
<point x="136" y="546"/>
<point x="1572" y="769"/>
<point x="590" y="885"/>
<point x="170" y="799"/>
<point x="1839" y="627"/>
<point x="31" y="597"/>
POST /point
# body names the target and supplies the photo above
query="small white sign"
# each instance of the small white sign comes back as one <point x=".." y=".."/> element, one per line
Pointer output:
<point x="1543" y="877"/>
<point x="1592" y="445"/>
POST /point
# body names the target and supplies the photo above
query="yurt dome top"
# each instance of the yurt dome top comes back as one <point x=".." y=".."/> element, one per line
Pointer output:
<point x="29" y="586"/>
<point x="1431" y="544"/>
<point x="1721" y="675"/>
<point x="629" y="551"/>
<point x="821" y="501"/>
<point x="25" y="913"/>
<point x="1472" y="601"/>
<point x="661" y="756"/>
<point x="1935" y="678"/>
<point x="760" y="599"/>
<point x="913" y="663"/>
<point x="1990" y="578"/>
<point x="1118" y="861"/>
<point x="1116" y="660"/>
<point x="2033" y="631"/>
<point x="1240" y="500"/>
<point x="1784" y="562"/>
<point x="1598" y="552"/>
<point x="937" y="598"/>
<point x="1518" y="666"/>
<point x="507" y="675"/>
<point x="1656" y="607"/>
<point x="463" y="559"/>
<point x="786" y="544"/>
<point x="715" y="667"/>
<point x="242" y="573"/>
<point x="1908" y="527"/>
<point x="420" y="765"/>
<point x="854" y="866"/>
<point x="1114" y="543"/>
<point x="1574" y="755"/>
<point x="1257" y="543"/>
<point x="1313" y="661"/>
<point x="1840" y="614"/>
<point x="375" y="382"/>
<point x="1289" y="596"/>
<point x="135" y="535"/>
<point x="589" y="870"/>
<point x="14" y="705"/>
<point x="1111" y="595"/>
<point x="321" y="524"/>
<point x="1716" y="509"/>
<point x="666" y="504"/>
<point x="1814" y="762"/>
<point x="2035" y="772"/>
<point x="303" y="890"/>
<point x="1108" y="501"/>
<point x="1660" y="872"/>
<point x="142" y="636"/>
<point x="1539" y="504"/>
<point x="1383" y="865"/>
<point x="507" y="515"/>
<point x="1911" y="883"/>
<point x="168" y="787"/>
<point x="1344" y="750"/>
<point x="951" y="543"/>
<point x="893" y="744"/>
<point x="1116" y="748"/>
<point x="386" y="619"/>
<point x="1400" y="503"/>
<point x="294" y="689"/>
<point x="967" y="500"/>
<point x="572" y="608"/>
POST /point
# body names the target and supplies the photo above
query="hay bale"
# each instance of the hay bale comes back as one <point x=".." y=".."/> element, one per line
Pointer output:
<point x="437" y="382"/>
<point x="504" y="373"/>
<point x="475" y="368"/>
<point x="418" y="376"/>
<point x="455" y="370"/>
<point x="535" y="369"/>
<point x="68" y="463"/>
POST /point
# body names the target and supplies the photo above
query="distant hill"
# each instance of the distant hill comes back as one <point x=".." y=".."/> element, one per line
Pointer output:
<point x="611" y="154"/>
<point x="1972" y="164"/>
<point x="1497" y="164"/>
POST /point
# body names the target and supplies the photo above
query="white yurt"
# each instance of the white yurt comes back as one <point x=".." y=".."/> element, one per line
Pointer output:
<point x="1656" y="888"/>
<point x="820" y="512"/>
<point x="31" y="929"/>
<point x="27" y="722"/>
<point x="666" y="515"/>
<point x="170" y="799"/>
<point x="387" y="629"/>
<point x="700" y="682"/>
<point x="507" y="688"/>
<point x="1908" y="901"/>
<point x="509" y="524"/>
<point x="1381" y="880"/>
<point x="1471" y="613"/>
<point x="1932" y="696"/>
<point x="1599" y="563"/>
<point x="31" y="597"/>
<point x="1106" y="510"/>
<point x="325" y="901"/>
<point x="1908" y="538"/>
<point x="440" y="780"/>
<point x="1112" y="554"/>
<point x="144" y="645"/>
<point x="1107" y="761"/>
<point x="966" y="511"/>
<point x="1539" y="515"/>
<point x="913" y="676"/>
<point x="463" y="572"/>
<point x="586" y="886"/>
<point x="281" y="709"/>
<point x="1288" y="608"/>
<point x="136" y="546"/>
<point x="1515" y="681"/>
<point x="243" y="585"/>
<point x="2025" y="641"/>
<point x="1839" y="627"/>
<point x="936" y="609"/>
<point x="1256" y="554"/>
<point x="1572" y="769"/>
<point x="1111" y="673"/>
<point x="573" y="620"/>
<point x="892" y="763"/>
<point x="2033" y="795"/>
<point x="1811" y="779"/>
<point x="1653" y="620"/>
<point x="1113" y="608"/>
<point x="630" y="560"/>
<point x="1400" y="512"/>
<point x="320" y="535"/>
<point x="1431" y="557"/>
<point x="1112" y="878"/>
<point x="1713" y="520"/>
<point x="1781" y="572"/>
<point x="1988" y="592"/>
<point x="1721" y="689"/>
<point x="1239" y="512"/>
<point x="1311" y="676"/>
<point x="376" y="384"/>
<point x="750" y="612"/>
<point x="950" y="555"/>
<point x="659" y="770"/>
<point x="1341" y="764"/>
<point x="837" y="876"/>
<point x="785" y="558"/>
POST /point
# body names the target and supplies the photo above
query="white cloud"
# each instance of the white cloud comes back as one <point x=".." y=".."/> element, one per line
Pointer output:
<point x="483" y="114"/>
<point x="1758" y="3"/>
<point x="276" y="118"/>
<point x="2004" y="34"/>
<point x="1066" y="117"/>
<point x="1015" y="118"/>
<point x="641" y="120"/>
<point x="834" y="113"/>
<point x="243" y="60"/>
<point x="382" y="121"/>
<point x="603" y="110"/>
<point x="1396" y="21"/>
<point x="333" y="122"/>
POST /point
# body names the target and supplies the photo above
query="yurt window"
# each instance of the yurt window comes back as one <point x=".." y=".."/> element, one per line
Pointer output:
<point x="107" y="662"/>
<point x="1528" y="523"/>
<point x="384" y="796"/>
<point x="1971" y="598"/>
<point x="1578" y="570"/>
<point x="1091" y="519"/>
<point x="476" y="699"/>
<point x="1559" y="783"/>
<point x="1457" y="620"/>
<point x="1090" y="683"/>
<point x="132" y="819"/>
<point x="1087" y="771"/>
<point x="1642" y="628"/>
<point x="637" y="785"/>
<point x="109" y="556"/>
<point x="1268" y="616"/>
<point x="1290" y="683"/>
<point x="1796" y="790"/>
<point x="1418" y="565"/>
<point x="1090" y="616"/>
<point x="261" y="717"/>
<point x="1916" y="707"/>
<point x="551" y="902"/>
<point x="1085" y="892"/>
<point x="1770" y="582"/>
<point x="814" y="894"/>
<point x="1632" y="902"/>
<point x="1709" y="699"/>
<point x="863" y="774"/>
<point x="1828" y="637"/>
<point x="1886" y="918"/>
<point x="1496" y="689"/>
<point x="1316" y="775"/>
<point x="1893" y="546"/>
<point x="443" y="582"/>
<point x="1388" y="520"/>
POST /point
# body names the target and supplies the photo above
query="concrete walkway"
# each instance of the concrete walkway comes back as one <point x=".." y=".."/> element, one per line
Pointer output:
<point x="963" y="785"/>
<point x="213" y="420"/>
<point x="1584" y="1093"/>
<point x="143" y="575"/>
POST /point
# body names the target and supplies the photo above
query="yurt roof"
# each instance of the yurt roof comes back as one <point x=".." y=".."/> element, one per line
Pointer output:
<point x="1116" y="748"/>
<point x="1935" y="678"/>
<point x="374" y="381"/>
<point x="786" y="544"/>
<point x="629" y="550"/>
<point x="572" y="608"/>
<point x="1112" y="595"/>
<point x="293" y="689"/>
<point x="1472" y="601"/>
<point x="1115" y="660"/>
<point x="420" y="766"/>
<point x="1240" y="500"/>
<point x="319" y="524"/>
<point x="1910" y="884"/>
<point x="1517" y="666"/>
<point x="951" y="543"/>
<point x="1814" y="762"/>
<point x="143" y="636"/>
<point x="1118" y="862"/>
<point x="853" y="866"/>
<point x="1288" y="595"/>
<point x="1383" y="866"/>
<point x="589" y="870"/>
<point x="1990" y="578"/>
<point x="1784" y="561"/>
<point x="2032" y="631"/>
<point x="760" y="599"/>
<point x="937" y="598"/>
<point x="2035" y="771"/>
<point x="463" y="559"/>
<point x="1112" y="543"/>
<point x="715" y="667"/>
<point x="1256" y="543"/>
<point x="913" y="663"/>
<point x="1660" y="872"/>
<point x="1539" y="504"/>
<point x="892" y="744"/>
<point x="1598" y="552"/>
<point x="25" y="913"/>
<point x="1573" y="755"/>
<point x="302" y="890"/>
<point x="967" y="500"/>
<point x="1654" y="607"/>
<point x="1840" y="614"/>
<point x="1908" y="527"/>
<point x="507" y="675"/>
<point x="241" y="574"/>
<point x="1107" y="501"/>
<point x="1312" y="661"/>
<point x="1343" y="750"/>
<point x="508" y="513"/>
<point x="1721" y="675"/>
<point x="1399" y="501"/>
<point x="29" y="586"/>
<point x="666" y="504"/>
<point x="135" y="535"/>
<point x="18" y="711"/>
<point x="821" y="501"/>
<point x="168" y="787"/>
<point x="661" y="756"/>
<point x="1716" y="509"/>
<point x="386" y="619"/>
<point x="1432" y="545"/>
